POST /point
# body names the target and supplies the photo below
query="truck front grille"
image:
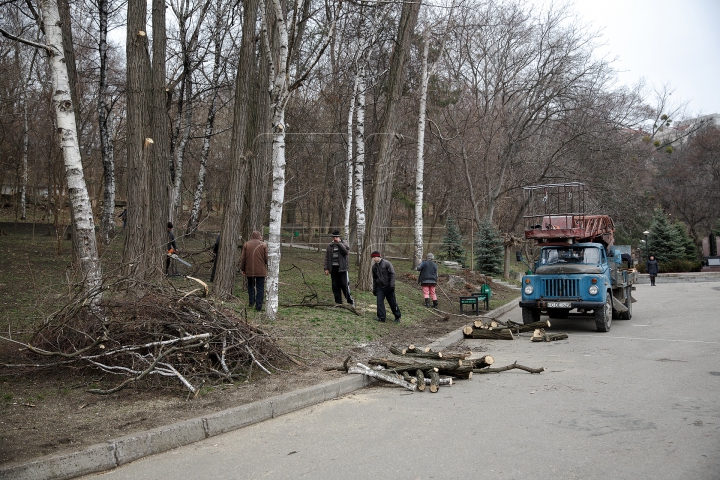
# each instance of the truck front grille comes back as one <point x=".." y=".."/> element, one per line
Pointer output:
<point x="561" y="287"/>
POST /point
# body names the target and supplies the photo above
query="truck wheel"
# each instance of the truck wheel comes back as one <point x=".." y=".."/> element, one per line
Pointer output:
<point x="530" y="315"/>
<point x="628" y="303"/>
<point x="558" y="313"/>
<point x="603" y="316"/>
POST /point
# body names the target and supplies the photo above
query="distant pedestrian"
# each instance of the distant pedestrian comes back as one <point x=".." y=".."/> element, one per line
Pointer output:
<point x="336" y="265"/>
<point x="123" y="217"/>
<point x="428" y="280"/>
<point x="253" y="265"/>
<point x="171" y="249"/>
<point x="383" y="275"/>
<point x="216" y="248"/>
<point x="652" y="269"/>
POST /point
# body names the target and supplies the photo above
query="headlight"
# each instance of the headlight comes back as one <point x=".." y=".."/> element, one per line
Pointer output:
<point x="529" y="290"/>
<point x="593" y="290"/>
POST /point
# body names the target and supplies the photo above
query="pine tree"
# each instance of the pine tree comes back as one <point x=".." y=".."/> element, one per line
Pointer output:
<point x="489" y="250"/>
<point x="665" y="242"/>
<point x="452" y="243"/>
<point x="689" y="247"/>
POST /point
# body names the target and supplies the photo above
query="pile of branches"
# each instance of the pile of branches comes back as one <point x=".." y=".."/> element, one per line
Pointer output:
<point x="163" y="333"/>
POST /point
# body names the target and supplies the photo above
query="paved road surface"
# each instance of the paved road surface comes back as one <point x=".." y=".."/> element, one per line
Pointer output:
<point x="639" y="402"/>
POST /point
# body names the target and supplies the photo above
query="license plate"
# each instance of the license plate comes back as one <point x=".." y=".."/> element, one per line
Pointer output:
<point x="558" y="304"/>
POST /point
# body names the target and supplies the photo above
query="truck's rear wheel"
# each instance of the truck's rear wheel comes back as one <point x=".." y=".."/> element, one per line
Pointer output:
<point x="530" y="315"/>
<point x="628" y="303"/>
<point x="603" y="315"/>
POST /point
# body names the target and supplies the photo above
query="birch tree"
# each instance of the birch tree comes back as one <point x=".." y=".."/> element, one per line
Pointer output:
<point x="387" y="158"/>
<point x="85" y="243"/>
<point x="105" y="127"/>
<point x="281" y="75"/>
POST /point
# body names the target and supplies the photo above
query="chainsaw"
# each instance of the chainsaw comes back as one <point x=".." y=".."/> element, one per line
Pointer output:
<point x="171" y="253"/>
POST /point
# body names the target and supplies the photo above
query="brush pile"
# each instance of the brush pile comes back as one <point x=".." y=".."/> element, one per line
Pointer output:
<point x="163" y="334"/>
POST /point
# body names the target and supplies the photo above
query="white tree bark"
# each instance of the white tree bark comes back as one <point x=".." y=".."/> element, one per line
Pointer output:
<point x="180" y="152"/>
<point x="85" y="243"/>
<point x="349" y="195"/>
<point x="360" y="160"/>
<point x="280" y="90"/>
<point x="105" y="122"/>
<point x="420" y="164"/>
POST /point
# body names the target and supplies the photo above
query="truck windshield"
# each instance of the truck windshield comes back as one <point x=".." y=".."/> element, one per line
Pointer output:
<point x="587" y="255"/>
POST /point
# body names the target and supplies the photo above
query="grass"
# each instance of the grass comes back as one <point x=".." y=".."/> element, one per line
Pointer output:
<point x="36" y="280"/>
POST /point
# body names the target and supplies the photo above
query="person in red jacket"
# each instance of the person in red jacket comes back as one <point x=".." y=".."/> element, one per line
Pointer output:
<point x="253" y="265"/>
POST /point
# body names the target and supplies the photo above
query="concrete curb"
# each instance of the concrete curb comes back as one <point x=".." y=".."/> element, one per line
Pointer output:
<point x="106" y="456"/>
<point x="693" y="277"/>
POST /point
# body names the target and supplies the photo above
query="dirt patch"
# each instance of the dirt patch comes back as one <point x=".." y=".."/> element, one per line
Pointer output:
<point x="50" y="412"/>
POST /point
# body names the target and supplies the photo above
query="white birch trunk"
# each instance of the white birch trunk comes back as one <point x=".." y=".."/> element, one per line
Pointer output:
<point x="360" y="161"/>
<point x="209" y="127"/>
<point x="349" y="196"/>
<point x="175" y="200"/>
<point x="420" y="166"/>
<point x="84" y="243"/>
<point x="105" y="127"/>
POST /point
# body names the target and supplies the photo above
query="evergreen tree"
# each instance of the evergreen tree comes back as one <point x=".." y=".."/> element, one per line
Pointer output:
<point x="452" y="243"/>
<point x="489" y="250"/>
<point x="689" y="247"/>
<point x="665" y="241"/>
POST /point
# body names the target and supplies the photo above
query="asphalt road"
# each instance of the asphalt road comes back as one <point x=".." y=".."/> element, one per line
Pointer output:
<point x="638" y="402"/>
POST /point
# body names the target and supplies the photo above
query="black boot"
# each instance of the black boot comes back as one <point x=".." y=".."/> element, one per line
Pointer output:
<point x="435" y="304"/>
<point x="427" y="303"/>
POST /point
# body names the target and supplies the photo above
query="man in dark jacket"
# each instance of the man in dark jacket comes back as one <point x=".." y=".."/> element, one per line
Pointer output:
<point x="383" y="275"/>
<point x="428" y="279"/>
<point x="171" y="248"/>
<point x="652" y="269"/>
<point x="253" y="265"/>
<point x="336" y="265"/>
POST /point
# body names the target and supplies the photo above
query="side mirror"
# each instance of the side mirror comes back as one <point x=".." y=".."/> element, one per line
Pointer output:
<point x="518" y="256"/>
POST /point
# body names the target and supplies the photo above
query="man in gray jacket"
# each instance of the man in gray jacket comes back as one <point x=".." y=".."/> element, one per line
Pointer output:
<point x="383" y="275"/>
<point x="336" y="265"/>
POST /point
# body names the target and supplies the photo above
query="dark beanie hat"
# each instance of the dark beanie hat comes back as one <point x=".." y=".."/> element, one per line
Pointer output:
<point x="170" y="225"/>
<point x="336" y="233"/>
<point x="375" y="254"/>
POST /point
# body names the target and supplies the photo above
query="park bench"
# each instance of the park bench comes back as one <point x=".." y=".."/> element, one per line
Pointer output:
<point x="473" y="301"/>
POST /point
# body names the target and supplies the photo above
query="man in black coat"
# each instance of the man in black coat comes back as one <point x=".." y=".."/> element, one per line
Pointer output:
<point x="652" y="269"/>
<point x="383" y="275"/>
<point x="336" y="265"/>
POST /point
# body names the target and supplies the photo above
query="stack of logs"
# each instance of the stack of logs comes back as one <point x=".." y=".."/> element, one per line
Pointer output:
<point x="416" y="368"/>
<point x="492" y="329"/>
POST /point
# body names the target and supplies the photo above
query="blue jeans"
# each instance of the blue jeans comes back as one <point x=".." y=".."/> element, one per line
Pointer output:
<point x="256" y="291"/>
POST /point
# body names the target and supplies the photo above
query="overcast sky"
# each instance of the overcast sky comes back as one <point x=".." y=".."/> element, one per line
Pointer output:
<point x="664" y="41"/>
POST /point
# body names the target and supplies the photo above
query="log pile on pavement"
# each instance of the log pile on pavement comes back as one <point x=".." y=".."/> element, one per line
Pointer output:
<point x="417" y="368"/>
<point x="496" y="330"/>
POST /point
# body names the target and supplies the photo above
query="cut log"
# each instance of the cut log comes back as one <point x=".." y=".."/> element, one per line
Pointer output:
<point x="483" y="362"/>
<point x="415" y="353"/>
<point x="485" y="324"/>
<point x="521" y="328"/>
<point x="509" y="367"/>
<point x="408" y="378"/>
<point x="412" y="364"/>
<point x="384" y="376"/>
<point x="549" y="337"/>
<point x="456" y="356"/>
<point x="480" y="333"/>
<point x="420" y="376"/>
<point x="415" y="349"/>
<point x="434" y="382"/>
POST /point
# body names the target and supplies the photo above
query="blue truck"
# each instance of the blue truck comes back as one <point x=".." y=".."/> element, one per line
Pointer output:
<point x="579" y="270"/>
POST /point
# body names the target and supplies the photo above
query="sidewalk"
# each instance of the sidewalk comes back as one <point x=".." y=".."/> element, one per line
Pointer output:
<point x="113" y="453"/>
<point x="690" y="277"/>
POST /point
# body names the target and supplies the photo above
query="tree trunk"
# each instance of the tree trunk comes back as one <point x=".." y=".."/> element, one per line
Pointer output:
<point x="349" y="164"/>
<point x="104" y="124"/>
<point x="387" y="159"/>
<point x="230" y="233"/>
<point x="359" y="180"/>
<point x="420" y="164"/>
<point x="84" y="244"/>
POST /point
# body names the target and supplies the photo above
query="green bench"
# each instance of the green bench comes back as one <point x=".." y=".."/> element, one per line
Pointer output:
<point x="475" y="298"/>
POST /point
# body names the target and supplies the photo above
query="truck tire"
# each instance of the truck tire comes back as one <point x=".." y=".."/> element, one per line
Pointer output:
<point x="603" y="315"/>
<point x="628" y="303"/>
<point x="530" y="315"/>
